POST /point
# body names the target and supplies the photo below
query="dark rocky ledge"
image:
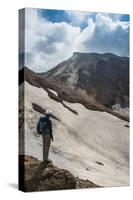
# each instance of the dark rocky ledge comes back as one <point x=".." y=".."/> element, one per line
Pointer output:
<point x="43" y="176"/>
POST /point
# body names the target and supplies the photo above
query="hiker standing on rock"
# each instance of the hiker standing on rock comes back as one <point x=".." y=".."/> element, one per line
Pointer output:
<point x="44" y="128"/>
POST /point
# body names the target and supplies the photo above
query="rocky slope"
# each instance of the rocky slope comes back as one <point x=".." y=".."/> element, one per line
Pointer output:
<point x="43" y="176"/>
<point x="104" y="77"/>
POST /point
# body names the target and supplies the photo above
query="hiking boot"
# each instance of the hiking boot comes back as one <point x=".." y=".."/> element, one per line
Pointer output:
<point x="47" y="161"/>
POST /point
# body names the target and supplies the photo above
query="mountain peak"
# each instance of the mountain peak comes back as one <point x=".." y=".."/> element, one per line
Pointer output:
<point x="104" y="76"/>
<point x="108" y="54"/>
<point x="83" y="53"/>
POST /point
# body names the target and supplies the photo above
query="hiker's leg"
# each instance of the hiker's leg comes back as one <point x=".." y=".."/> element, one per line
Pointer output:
<point x="48" y="145"/>
<point x="44" y="147"/>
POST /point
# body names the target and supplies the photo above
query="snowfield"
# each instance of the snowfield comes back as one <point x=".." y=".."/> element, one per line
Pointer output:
<point x="92" y="145"/>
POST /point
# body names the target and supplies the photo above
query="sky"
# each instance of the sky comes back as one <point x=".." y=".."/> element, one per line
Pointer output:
<point x="51" y="36"/>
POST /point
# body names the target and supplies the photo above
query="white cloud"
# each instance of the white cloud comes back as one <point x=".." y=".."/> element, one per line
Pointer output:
<point x="48" y="44"/>
<point x="106" y="35"/>
<point x="78" y="17"/>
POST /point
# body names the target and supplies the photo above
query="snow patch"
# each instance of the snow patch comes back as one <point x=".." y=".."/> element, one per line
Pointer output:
<point x="123" y="111"/>
<point x="54" y="92"/>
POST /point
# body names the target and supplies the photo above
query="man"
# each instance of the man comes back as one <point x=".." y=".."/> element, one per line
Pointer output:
<point x="44" y="128"/>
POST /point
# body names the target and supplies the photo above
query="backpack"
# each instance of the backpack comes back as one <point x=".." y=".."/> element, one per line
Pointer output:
<point x="42" y="125"/>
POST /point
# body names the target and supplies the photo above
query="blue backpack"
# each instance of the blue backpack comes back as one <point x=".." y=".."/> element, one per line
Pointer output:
<point x="42" y="125"/>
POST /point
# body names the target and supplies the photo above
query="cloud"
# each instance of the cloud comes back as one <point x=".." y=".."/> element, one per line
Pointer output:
<point x="106" y="35"/>
<point x="78" y="17"/>
<point x="48" y="43"/>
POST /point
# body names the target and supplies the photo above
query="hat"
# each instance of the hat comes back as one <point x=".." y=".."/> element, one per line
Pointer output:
<point x="48" y="112"/>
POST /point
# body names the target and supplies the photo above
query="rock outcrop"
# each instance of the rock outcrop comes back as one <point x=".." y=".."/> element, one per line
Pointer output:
<point x="43" y="176"/>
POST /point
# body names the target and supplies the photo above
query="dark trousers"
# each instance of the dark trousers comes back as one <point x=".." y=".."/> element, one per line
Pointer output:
<point x="46" y="146"/>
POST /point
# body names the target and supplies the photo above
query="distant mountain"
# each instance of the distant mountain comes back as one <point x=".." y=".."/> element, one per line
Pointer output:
<point x="102" y="76"/>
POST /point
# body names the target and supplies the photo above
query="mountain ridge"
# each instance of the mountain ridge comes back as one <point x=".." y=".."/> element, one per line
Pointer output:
<point x="64" y="94"/>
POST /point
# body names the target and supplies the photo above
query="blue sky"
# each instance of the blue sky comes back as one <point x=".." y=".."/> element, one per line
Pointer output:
<point x="61" y="15"/>
<point x="56" y="34"/>
<point x="54" y="15"/>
